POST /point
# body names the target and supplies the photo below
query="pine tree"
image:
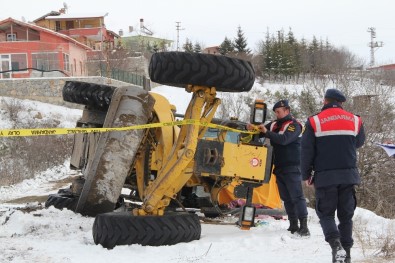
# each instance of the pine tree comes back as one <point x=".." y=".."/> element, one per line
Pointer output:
<point x="290" y="37"/>
<point x="240" y="43"/>
<point x="197" y="48"/>
<point x="280" y="56"/>
<point x="304" y="56"/>
<point x="188" y="46"/>
<point x="267" y="54"/>
<point x="313" y="55"/>
<point x="293" y="53"/>
<point x="283" y="55"/>
<point x="226" y="47"/>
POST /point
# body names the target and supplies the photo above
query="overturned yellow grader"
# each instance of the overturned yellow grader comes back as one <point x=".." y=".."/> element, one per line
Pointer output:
<point x="163" y="166"/>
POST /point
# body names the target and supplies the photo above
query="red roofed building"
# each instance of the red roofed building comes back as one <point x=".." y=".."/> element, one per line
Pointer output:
<point x="388" y="67"/>
<point x="211" y="50"/>
<point x="88" y="29"/>
<point x="24" y="46"/>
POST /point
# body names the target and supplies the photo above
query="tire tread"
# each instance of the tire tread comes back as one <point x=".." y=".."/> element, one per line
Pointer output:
<point x="90" y="94"/>
<point x="181" y="68"/>
<point x="122" y="228"/>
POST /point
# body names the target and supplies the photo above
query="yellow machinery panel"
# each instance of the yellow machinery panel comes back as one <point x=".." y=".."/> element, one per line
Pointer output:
<point x="242" y="161"/>
<point x="245" y="161"/>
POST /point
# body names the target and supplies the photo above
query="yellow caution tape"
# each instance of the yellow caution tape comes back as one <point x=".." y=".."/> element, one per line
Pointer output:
<point x="247" y="138"/>
<point x="63" y="131"/>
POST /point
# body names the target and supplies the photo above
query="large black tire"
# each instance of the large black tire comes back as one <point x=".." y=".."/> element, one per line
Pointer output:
<point x="61" y="201"/>
<point x="94" y="95"/>
<point x="181" y="69"/>
<point x="112" y="229"/>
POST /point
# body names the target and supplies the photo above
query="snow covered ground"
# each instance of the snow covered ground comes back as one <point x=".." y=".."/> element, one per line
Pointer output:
<point x="31" y="233"/>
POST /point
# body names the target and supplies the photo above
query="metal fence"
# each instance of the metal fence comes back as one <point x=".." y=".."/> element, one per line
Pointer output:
<point x="126" y="76"/>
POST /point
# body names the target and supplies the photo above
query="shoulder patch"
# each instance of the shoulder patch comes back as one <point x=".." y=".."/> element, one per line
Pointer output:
<point x="291" y="128"/>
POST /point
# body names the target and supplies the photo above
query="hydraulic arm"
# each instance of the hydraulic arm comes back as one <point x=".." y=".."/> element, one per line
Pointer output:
<point x="171" y="177"/>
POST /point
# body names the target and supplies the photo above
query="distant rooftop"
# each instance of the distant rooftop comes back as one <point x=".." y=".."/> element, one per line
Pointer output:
<point x="52" y="13"/>
<point x="77" y="16"/>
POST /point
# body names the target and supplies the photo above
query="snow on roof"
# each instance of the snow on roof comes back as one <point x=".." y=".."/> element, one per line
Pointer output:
<point x="77" y="16"/>
<point x="52" y="13"/>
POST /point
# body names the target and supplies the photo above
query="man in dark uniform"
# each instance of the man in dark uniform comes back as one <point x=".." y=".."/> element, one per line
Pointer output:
<point x="285" y="136"/>
<point x="329" y="146"/>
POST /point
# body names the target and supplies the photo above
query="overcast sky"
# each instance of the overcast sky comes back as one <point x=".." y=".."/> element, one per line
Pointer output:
<point x="342" y="22"/>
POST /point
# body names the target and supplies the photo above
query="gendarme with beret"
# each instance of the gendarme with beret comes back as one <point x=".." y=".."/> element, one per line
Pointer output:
<point x="335" y="94"/>
<point x="281" y="103"/>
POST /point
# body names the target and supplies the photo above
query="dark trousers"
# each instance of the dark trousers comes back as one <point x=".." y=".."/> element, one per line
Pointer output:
<point x="328" y="200"/>
<point x="291" y="192"/>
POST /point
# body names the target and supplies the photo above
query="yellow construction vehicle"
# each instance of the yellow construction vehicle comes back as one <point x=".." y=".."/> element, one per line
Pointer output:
<point x="163" y="165"/>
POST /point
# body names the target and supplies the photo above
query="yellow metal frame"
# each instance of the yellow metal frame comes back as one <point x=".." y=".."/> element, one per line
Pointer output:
<point x="173" y="159"/>
<point x="165" y="135"/>
<point x="171" y="175"/>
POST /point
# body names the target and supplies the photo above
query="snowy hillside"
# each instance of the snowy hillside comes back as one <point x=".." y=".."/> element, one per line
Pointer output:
<point x="31" y="233"/>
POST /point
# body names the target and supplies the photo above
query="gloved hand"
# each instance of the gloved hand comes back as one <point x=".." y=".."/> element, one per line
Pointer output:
<point x="310" y="180"/>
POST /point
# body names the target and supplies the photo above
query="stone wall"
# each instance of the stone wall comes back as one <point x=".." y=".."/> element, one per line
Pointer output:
<point x="48" y="90"/>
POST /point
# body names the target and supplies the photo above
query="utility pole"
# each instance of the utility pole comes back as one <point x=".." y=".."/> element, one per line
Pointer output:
<point x="373" y="45"/>
<point x="178" y="28"/>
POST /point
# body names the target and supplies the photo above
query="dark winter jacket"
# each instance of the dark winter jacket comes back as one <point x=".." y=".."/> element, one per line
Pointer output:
<point x="285" y="136"/>
<point x="329" y="145"/>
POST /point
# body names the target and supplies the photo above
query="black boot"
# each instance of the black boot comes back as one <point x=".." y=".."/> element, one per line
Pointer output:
<point x="303" y="230"/>
<point x="338" y="252"/>
<point x="293" y="225"/>
<point x="348" y="254"/>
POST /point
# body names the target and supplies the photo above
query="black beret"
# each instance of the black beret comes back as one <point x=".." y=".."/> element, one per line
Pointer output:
<point x="281" y="103"/>
<point x="335" y="94"/>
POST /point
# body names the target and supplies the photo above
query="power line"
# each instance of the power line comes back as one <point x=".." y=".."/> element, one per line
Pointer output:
<point x="178" y="28"/>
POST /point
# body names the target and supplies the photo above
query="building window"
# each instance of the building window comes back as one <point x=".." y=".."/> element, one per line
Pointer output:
<point x="69" y="25"/>
<point x="66" y="62"/>
<point x="12" y="62"/>
<point x="18" y="61"/>
<point x="81" y="67"/>
<point x="57" y="26"/>
<point x="45" y="61"/>
<point x="11" y="37"/>
<point x="4" y="66"/>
